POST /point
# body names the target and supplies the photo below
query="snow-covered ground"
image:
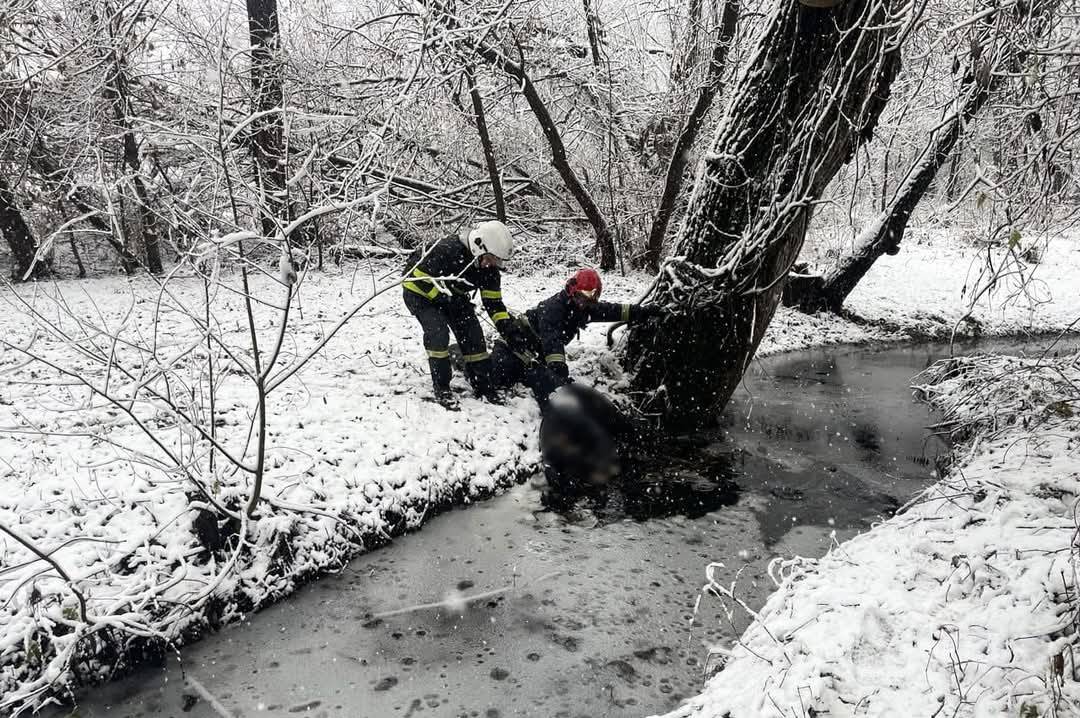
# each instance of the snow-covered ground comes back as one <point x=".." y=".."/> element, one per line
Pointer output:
<point x="356" y="452"/>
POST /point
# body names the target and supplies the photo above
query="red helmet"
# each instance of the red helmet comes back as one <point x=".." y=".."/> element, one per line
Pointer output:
<point x="585" y="282"/>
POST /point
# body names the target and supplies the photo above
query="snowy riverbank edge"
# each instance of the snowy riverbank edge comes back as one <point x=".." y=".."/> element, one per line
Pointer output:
<point x="964" y="603"/>
<point x="371" y="495"/>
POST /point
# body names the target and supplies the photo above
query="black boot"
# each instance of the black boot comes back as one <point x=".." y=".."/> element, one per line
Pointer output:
<point x="479" y="375"/>
<point x="445" y="396"/>
<point x="492" y="396"/>
<point x="440" y="370"/>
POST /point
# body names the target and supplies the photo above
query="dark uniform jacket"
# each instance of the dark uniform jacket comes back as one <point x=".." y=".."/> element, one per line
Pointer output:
<point x="555" y="321"/>
<point x="460" y="276"/>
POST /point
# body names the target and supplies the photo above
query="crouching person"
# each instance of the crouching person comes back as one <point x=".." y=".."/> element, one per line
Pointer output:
<point x="438" y="289"/>
<point x="539" y="360"/>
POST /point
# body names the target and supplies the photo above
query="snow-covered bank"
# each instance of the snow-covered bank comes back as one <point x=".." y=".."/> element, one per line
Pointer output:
<point x="357" y="455"/>
<point x="965" y="602"/>
<point x="928" y="289"/>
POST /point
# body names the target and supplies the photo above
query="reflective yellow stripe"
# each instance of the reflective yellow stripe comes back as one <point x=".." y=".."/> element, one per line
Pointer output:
<point x="555" y="358"/>
<point x="470" y="358"/>
<point x="413" y="287"/>
<point x="626" y="312"/>
<point x="438" y="353"/>
<point x="499" y="316"/>
<point x="434" y="292"/>
<point x="490" y="294"/>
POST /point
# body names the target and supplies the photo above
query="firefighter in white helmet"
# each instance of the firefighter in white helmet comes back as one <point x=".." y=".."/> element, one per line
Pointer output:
<point x="438" y="285"/>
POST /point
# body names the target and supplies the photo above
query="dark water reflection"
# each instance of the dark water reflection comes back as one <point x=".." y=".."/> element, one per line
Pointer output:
<point x="656" y="484"/>
<point x="505" y="609"/>
<point x="833" y="438"/>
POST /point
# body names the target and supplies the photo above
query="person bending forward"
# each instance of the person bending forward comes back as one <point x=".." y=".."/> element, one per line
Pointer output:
<point x="539" y="358"/>
<point x="438" y="288"/>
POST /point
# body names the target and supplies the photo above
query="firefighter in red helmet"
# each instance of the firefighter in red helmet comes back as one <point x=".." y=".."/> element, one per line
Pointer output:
<point x="551" y="325"/>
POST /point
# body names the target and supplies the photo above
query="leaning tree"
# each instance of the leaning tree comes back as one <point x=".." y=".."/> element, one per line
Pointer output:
<point x="808" y="94"/>
<point x="1002" y="40"/>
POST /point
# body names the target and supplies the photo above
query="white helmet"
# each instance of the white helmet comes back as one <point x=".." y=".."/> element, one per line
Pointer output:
<point x="491" y="237"/>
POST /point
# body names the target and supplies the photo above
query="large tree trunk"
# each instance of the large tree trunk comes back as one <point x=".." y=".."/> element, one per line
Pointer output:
<point x="559" y="159"/>
<point x="812" y="92"/>
<point x="673" y="183"/>
<point x="995" y="56"/>
<point x="19" y="237"/>
<point x="267" y="141"/>
<point x="489" y="149"/>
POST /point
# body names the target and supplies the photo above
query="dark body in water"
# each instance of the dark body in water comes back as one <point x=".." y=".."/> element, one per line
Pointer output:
<point x="596" y="455"/>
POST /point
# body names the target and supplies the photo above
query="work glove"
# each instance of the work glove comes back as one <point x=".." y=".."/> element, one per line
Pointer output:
<point x="561" y="370"/>
<point x="515" y="337"/>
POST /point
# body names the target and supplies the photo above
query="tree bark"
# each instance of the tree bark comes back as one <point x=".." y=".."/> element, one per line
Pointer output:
<point x="117" y="91"/>
<point x="812" y="92"/>
<point x="682" y="65"/>
<point x="489" y="148"/>
<point x="267" y="141"/>
<point x="559" y="158"/>
<point x="681" y="156"/>
<point x="593" y="28"/>
<point x="494" y="57"/>
<point x="19" y="237"/>
<point x="83" y="199"/>
<point x="986" y="71"/>
<point x="954" y="173"/>
<point x="812" y="293"/>
<point x="76" y="255"/>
